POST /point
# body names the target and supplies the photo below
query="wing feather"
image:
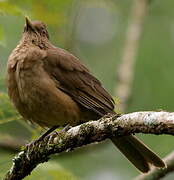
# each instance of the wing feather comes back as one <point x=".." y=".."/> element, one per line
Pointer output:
<point x="75" y="79"/>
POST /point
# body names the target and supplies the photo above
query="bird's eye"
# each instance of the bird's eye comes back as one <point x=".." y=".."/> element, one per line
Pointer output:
<point x="43" y="31"/>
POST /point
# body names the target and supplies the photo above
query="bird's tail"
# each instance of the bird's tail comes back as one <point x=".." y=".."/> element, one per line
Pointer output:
<point x="137" y="153"/>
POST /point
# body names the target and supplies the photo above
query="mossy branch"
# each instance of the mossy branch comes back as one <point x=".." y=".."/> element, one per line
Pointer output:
<point x="93" y="131"/>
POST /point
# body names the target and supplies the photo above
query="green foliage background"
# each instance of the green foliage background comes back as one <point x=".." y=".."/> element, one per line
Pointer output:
<point x="153" y="85"/>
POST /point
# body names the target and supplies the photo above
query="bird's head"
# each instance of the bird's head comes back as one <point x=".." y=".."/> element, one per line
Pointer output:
<point x="35" y="31"/>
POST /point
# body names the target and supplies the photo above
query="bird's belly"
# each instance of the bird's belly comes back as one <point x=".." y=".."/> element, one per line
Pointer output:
<point x="43" y="103"/>
<point x="50" y="115"/>
<point x="48" y="108"/>
<point x="53" y="108"/>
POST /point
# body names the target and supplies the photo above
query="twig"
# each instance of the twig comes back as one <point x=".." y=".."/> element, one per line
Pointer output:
<point x="126" y="68"/>
<point x="11" y="144"/>
<point x="156" y="173"/>
<point x="93" y="131"/>
<point x="74" y="14"/>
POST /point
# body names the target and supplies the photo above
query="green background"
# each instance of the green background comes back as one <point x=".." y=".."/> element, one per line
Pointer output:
<point x="95" y="32"/>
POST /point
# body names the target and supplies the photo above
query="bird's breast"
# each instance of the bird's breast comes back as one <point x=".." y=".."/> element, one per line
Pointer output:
<point x="36" y="96"/>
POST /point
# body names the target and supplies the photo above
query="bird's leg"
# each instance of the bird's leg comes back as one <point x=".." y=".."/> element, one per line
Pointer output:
<point x="56" y="133"/>
<point x="66" y="128"/>
<point x="42" y="136"/>
<point x="47" y="133"/>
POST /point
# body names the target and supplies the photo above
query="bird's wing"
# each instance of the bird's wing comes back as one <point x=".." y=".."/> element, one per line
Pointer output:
<point x="74" y="78"/>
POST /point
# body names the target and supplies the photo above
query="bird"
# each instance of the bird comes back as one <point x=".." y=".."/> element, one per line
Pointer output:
<point x="51" y="87"/>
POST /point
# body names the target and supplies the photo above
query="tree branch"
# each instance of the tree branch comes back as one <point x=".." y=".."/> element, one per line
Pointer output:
<point x="157" y="173"/>
<point x="93" y="131"/>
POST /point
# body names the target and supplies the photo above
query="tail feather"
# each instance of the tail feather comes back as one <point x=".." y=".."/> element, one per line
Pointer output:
<point x="150" y="156"/>
<point x="137" y="153"/>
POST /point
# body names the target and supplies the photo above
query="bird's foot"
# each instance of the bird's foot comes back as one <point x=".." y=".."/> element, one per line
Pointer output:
<point x="52" y="136"/>
<point x="66" y="128"/>
<point x="31" y="145"/>
<point x="34" y="142"/>
<point x="55" y="134"/>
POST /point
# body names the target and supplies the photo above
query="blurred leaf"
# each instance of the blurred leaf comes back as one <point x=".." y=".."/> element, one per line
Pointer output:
<point x="7" y="112"/>
<point x="11" y="9"/>
<point x="2" y="37"/>
<point x="56" y="13"/>
<point x="6" y="120"/>
<point x="51" y="170"/>
<point x="116" y="100"/>
<point x="5" y="161"/>
<point x="2" y="84"/>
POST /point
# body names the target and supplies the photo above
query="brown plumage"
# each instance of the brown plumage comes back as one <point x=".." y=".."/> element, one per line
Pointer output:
<point x="51" y="87"/>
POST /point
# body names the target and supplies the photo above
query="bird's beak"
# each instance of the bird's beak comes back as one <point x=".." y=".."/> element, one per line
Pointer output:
<point x="29" y="25"/>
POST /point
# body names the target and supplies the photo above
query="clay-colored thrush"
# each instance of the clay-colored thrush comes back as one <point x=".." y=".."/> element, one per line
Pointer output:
<point x="51" y="87"/>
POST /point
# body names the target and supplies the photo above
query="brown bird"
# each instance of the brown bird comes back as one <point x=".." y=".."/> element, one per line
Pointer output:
<point x="51" y="87"/>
